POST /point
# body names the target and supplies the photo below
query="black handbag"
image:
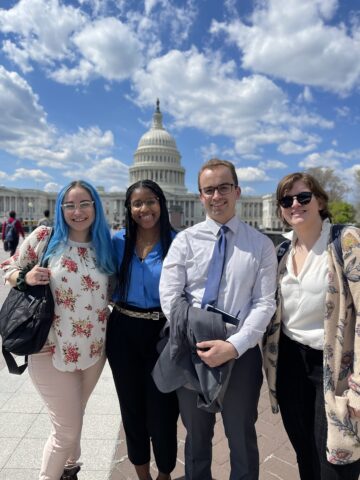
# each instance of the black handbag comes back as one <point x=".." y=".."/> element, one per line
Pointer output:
<point x="25" y="320"/>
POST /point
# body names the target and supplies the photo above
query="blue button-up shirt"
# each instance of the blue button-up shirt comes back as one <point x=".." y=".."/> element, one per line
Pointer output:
<point x="143" y="290"/>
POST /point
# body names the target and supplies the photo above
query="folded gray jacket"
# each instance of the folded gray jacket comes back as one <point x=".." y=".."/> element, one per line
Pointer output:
<point x="179" y="364"/>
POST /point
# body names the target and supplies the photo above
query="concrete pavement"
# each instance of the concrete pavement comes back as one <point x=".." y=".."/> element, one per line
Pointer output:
<point x="24" y="427"/>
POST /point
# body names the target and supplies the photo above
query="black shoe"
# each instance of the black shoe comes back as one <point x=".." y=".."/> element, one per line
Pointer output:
<point x="70" y="473"/>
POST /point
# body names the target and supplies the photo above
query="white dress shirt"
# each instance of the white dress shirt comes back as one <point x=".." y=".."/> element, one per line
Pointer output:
<point x="248" y="284"/>
<point x="303" y="296"/>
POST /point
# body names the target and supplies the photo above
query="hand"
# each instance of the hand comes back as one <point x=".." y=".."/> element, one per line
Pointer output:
<point x="217" y="353"/>
<point x="37" y="276"/>
<point x="354" y="412"/>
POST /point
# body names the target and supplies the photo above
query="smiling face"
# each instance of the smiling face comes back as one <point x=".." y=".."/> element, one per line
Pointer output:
<point x="145" y="209"/>
<point x="302" y="216"/>
<point x="220" y="208"/>
<point x="79" y="220"/>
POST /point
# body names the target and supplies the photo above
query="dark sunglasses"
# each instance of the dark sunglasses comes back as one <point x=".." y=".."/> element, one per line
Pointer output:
<point x="303" y="198"/>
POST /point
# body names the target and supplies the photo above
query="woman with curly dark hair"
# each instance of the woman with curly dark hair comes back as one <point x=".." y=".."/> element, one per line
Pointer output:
<point x="135" y="327"/>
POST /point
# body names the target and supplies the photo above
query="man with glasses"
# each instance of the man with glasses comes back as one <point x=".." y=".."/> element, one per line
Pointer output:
<point x="245" y="293"/>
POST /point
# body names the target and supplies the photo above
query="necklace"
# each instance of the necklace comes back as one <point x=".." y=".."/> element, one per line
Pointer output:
<point x="146" y="243"/>
<point x="144" y="247"/>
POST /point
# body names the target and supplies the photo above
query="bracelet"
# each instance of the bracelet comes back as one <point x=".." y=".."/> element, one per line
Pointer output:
<point x="20" y="281"/>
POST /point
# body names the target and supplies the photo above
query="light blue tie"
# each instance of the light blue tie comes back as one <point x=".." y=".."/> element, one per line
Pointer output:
<point x="215" y="270"/>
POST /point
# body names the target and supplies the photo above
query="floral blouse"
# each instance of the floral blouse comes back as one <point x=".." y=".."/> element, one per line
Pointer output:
<point x="81" y="296"/>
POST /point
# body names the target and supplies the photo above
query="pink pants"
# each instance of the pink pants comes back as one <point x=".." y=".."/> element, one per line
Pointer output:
<point x="65" y="395"/>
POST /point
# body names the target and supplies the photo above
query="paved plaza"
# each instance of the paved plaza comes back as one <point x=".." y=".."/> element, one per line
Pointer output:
<point x="24" y="427"/>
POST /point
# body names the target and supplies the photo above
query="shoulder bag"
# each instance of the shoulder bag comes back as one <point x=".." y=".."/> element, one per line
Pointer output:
<point x="25" y="320"/>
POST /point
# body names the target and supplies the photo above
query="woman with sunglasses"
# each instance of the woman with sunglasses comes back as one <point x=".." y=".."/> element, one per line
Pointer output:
<point x="135" y="327"/>
<point x="68" y="367"/>
<point x="312" y="346"/>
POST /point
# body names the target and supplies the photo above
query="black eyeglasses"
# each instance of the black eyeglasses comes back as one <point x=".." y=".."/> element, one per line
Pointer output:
<point x="223" y="189"/>
<point x="303" y="198"/>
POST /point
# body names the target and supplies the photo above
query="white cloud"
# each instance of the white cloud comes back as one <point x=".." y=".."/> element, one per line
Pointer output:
<point x="343" y="111"/>
<point x="352" y="171"/>
<point x="210" y="151"/>
<point x="203" y="92"/>
<point x="109" y="172"/>
<point x="99" y="7"/>
<point x="76" y="45"/>
<point x="43" y="30"/>
<point x="81" y="74"/>
<point x="23" y="121"/>
<point x="272" y="165"/>
<point x="306" y="95"/>
<point x="298" y="42"/>
<point x="289" y="147"/>
<point x="247" y="191"/>
<point x="86" y="142"/>
<point x="52" y="187"/>
<point x="149" y="5"/>
<point x="69" y="151"/>
<point x="251" y="174"/>
<point x="215" y="151"/>
<point x="319" y="160"/>
<point x="25" y="132"/>
<point x="33" y="174"/>
<point x="110" y="47"/>
<point x="330" y="159"/>
<point x="18" y="55"/>
<point x="164" y="20"/>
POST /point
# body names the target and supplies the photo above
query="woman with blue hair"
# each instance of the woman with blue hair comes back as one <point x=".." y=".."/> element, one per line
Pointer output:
<point x="68" y="367"/>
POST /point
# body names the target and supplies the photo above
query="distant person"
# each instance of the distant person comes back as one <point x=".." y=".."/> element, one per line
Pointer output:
<point x="45" y="221"/>
<point x="11" y="231"/>
<point x="312" y="345"/>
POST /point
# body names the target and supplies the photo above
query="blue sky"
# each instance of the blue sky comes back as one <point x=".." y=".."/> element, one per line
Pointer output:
<point x="271" y="85"/>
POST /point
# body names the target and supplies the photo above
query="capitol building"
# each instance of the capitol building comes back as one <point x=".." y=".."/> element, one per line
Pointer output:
<point x="156" y="158"/>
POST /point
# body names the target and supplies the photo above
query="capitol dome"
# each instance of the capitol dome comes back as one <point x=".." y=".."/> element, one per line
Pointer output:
<point x="157" y="137"/>
<point x="157" y="158"/>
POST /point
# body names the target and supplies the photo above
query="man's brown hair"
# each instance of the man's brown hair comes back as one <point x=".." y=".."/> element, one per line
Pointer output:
<point x="216" y="162"/>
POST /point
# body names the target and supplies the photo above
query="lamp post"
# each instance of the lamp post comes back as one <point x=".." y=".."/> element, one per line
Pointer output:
<point x="30" y="205"/>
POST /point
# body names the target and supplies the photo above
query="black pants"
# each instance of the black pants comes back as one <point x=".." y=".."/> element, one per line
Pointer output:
<point x="13" y="247"/>
<point x="146" y="412"/>
<point x="301" y="400"/>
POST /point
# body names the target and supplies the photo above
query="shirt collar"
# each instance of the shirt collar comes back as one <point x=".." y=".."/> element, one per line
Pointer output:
<point x="324" y="234"/>
<point x="214" y="226"/>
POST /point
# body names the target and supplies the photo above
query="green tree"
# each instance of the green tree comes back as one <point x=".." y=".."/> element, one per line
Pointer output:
<point x="331" y="183"/>
<point x="342" y="212"/>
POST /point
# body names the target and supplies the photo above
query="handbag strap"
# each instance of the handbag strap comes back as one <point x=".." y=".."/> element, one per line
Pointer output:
<point x="335" y="236"/>
<point x="41" y="261"/>
<point x="13" y="367"/>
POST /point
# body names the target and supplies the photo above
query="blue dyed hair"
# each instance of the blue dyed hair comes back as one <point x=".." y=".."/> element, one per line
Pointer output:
<point x="100" y="233"/>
